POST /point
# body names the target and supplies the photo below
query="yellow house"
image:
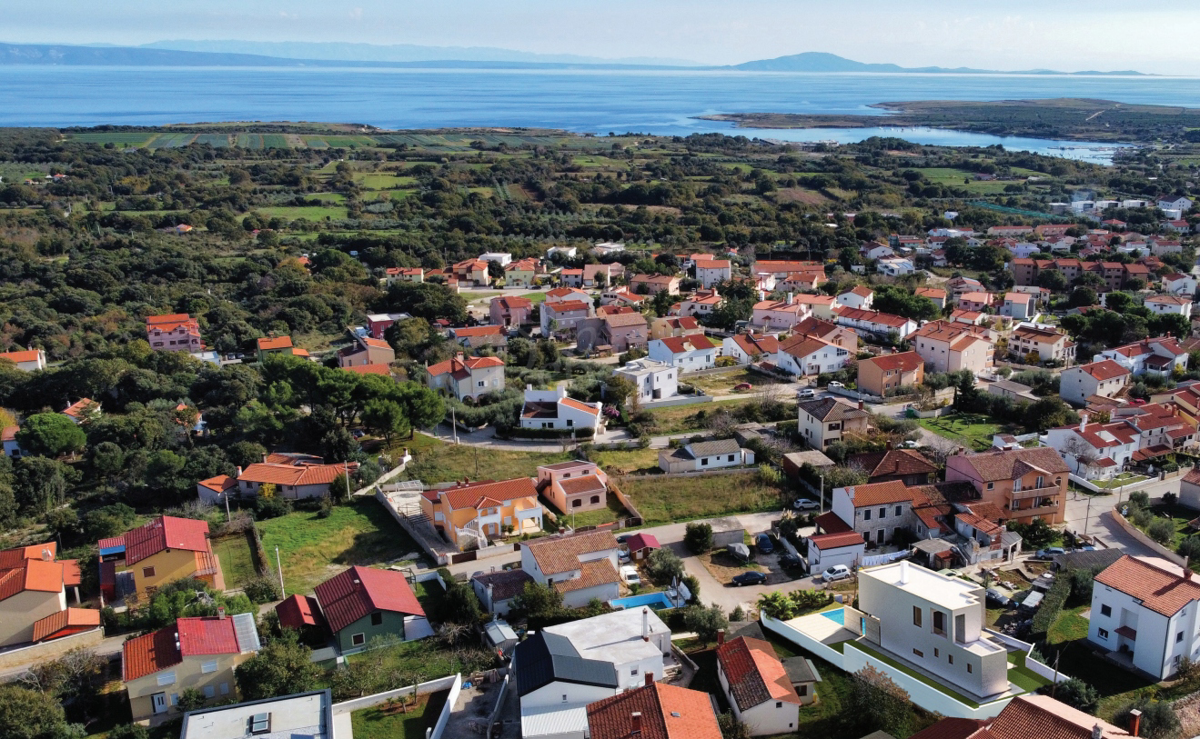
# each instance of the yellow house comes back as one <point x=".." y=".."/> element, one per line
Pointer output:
<point x="164" y="550"/>
<point x="199" y="653"/>
<point x="472" y="513"/>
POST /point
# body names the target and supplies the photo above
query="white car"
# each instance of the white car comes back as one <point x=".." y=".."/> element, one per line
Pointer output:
<point x="630" y="576"/>
<point x="805" y="393"/>
<point x="837" y="572"/>
<point x="804" y="504"/>
<point x="836" y="384"/>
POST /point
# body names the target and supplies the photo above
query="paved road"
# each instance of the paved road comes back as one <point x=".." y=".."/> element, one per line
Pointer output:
<point x="1098" y="522"/>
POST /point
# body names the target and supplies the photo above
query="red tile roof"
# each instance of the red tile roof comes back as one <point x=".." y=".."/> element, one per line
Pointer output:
<point x="65" y="623"/>
<point x="1042" y="717"/>
<point x="754" y="673"/>
<point x="1105" y="369"/>
<point x="204" y="636"/>
<point x="149" y="653"/>
<point x="897" y="462"/>
<point x="593" y="573"/>
<point x="881" y="493"/>
<point x="1158" y="584"/>
<point x="287" y="474"/>
<point x="32" y="574"/>
<point x="299" y="611"/>
<point x="268" y="343"/>
<point x="667" y="712"/>
<point x="162" y="533"/>
<point x="580" y="406"/>
<point x="826" y="542"/>
<point x="691" y="342"/>
<point x="483" y="330"/>
<point x="360" y="591"/>
<point x="468" y="496"/>
<point x="30" y="355"/>
<point x="641" y="541"/>
<point x="370" y="369"/>
<point x="220" y="483"/>
<point x="903" y="361"/>
<point x="560" y="554"/>
<point x="831" y="524"/>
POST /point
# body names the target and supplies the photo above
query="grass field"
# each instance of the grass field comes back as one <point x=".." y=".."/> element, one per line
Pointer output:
<point x="435" y="461"/>
<point x="384" y="181"/>
<point x="955" y="178"/>
<point x="311" y="213"/>
<point x="724" y="382"/>
<point x="373" y="723"/>
<point x="313" y="549"/>
<point x="237" y="564"/>
<point x="416" y="659"/>
<point x="666" y="499"/>
<point x="681" y="419"/>
<point x="971" y="429"/>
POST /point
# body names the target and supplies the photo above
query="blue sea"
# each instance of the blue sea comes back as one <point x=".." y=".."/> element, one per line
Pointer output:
<point x="585" y="101"/>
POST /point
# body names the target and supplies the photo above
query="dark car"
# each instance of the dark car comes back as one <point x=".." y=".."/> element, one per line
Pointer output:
<point x="996" y="598"/>
<point x="790" y="561"/>
<point x="762" y="542"/>
<point x="749" y="578"/>
<point x="622" y="539"/>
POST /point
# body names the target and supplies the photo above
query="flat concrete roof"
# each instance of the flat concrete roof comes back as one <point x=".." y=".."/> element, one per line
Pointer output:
<point x="950" y="593"/>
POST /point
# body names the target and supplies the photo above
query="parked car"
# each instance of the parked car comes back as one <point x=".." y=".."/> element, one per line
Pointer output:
<point x="837" y="572"/>
<point x="762" y="543"/>
<point x="622" y="539"/>
<point x="742" y="386"/>
<point x="623" y="556"/>
<point x="995" y="597"/>
<point x="630" y="576"/>
<point x="790" y="561"/>
<point x="739" y="551"/>
<point x="749" y="578"/>
<point x="836" y="384"/>
<point x="804" y="504"/>
<point x="805" y="393"/>
<point x="1049" y="552"/>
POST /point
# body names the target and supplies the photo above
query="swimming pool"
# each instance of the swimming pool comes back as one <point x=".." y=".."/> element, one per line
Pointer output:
<point x="837" y="615"/>
<point x="658" y="601"/>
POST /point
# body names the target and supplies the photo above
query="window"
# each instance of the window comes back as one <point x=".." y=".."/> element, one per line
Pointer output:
<point x="209" y="667"/>
<point x="377" y="618"/>
<point x="898" y="509"/>
<point x="633" y="671"/>
<point x="1105" y="610"/>
<point x="167" y="678"/>
<point x="950" y="657"/>
<point x="730" y="457"/>
<point x="260" y="723"/>
<point x="210" y="691"/>
<point x="779" y="704"/>
<point x="867" y="515"/>
<point x="882" y="513"/>
<point x="358" y="639"/>
<point x="918" y="652"/>
<point x="916" y="615"/>
<point x="564" y="698"/>
<point x="577" y="503"/>
<point x="147" y="572"/>
<point x="595" y="499"/>
<point x="224" y="688"/>
<point x="970" y="668"/>
<point x="991" y="486"/>
<point x="570" y="422"/>
<point x="801" y="690"/>
<point x="704" y="462"/>
<point x="1179" y="637"/>
<point x="935" y="652"/>
<point x="939" y="623"/>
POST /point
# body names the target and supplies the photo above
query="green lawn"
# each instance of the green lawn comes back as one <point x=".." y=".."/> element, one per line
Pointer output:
<point x="429" y="595"/>
<point x="614" y="511"/>
<point x="311" y="213"/>
<point x="682" y="419"/>
<point x="373" y="723"/>
<point x="962" y="179"/>
<point x="1125" y="478"/>
<point x="435" y="461"/>
<point x="416" y="660"/>
<point x="314" y="549"/>
<point x="666" y="499"/>
<point x="975" y="430"/>
<point x="237" y="564"/>
<point x="535" y="298"/>
<point x="1069" y="625"/>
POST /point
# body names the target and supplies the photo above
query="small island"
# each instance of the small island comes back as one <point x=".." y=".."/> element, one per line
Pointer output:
<point x="1060" y="118"/>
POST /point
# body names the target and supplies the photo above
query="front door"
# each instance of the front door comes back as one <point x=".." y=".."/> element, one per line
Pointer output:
<point x="159" y="702"/>
<point x="879" y="536"/>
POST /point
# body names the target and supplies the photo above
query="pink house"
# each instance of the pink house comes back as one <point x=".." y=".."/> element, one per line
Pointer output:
<point x="177" y="332"/>
<point x="510" y="312"/>
<point x="975" y="301"/>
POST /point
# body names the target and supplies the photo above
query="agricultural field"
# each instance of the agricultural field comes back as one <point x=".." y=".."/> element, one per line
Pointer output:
<point x="663" y="499"/>
<point x="964" y="179"/>
<point x="237" y="561"/>
<point x="973" y="430"/>
<point x="308" y="212"/>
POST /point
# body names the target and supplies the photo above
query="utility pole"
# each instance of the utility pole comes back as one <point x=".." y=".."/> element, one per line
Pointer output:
<point x="228" y="518"/>
<point x="821" y="495"/>
<point x="454" y="424"/>
<point x="279" y="567"/>
<point x="1087" y="519"/>
<point x="347" y="473"/>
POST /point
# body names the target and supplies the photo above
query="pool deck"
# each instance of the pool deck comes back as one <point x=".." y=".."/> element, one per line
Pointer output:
<point x="822" y="628"/>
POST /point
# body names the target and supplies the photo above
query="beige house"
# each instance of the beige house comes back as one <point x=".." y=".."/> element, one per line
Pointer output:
<point x="827" y="420"/>
<point x="1048" y="344"/>
<point x="164" y="550"/>
<point x="199" y="653"/>
<point x="33" y="596"/>
<point x="467" y="377"/>
<point x="654" y="284"/>
<point x="1103" y="379"/>
<point x="365" y="351"/>
<point x="885" y="374"/>
<point x="951" y="346"/>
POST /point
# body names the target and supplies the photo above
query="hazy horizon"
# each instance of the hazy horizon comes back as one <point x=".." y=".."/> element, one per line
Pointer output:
<point x="1154" y="38"/>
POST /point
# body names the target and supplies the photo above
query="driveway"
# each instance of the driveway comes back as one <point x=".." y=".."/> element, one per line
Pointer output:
<point x="1099" y="522"/>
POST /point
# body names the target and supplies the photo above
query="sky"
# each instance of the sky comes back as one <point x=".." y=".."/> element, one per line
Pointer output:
<point x="1153" y="36"/>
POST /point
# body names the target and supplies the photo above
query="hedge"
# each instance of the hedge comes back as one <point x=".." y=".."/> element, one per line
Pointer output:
<point x="1052" y="604"/>
<point x="520" y="433"/>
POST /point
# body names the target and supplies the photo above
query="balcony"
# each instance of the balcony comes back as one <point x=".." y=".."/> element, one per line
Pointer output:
<point x="1027" y="493"/>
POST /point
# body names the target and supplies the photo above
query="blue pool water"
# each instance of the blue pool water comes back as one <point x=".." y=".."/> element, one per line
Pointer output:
<point x="657" y="601"/>
<point x="837" y="615"/>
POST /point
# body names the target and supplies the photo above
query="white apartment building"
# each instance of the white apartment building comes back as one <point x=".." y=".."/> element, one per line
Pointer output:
<point x="1146" y="612"/>
<point x="653" y="379"/>
<point x="688" y="353"/>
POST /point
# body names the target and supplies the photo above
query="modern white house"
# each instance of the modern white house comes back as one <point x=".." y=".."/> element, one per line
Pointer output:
<point x="308" y="715"/>
<point x="1102" y="379"/>
<point x="779" y="315"/>
<point x="809" y="355"/>
<point x="712" y="271"/>
<point x="858" y="297"/>
<point x="688" y="353"/>
<point x="874" y="322"/>
<point x="936" y="623"/>
<point x="1163" y="304"/>
<point x="561" y="669"/>
<point x="27" y="361"/>
<point x="757" y="686"/>
<point x="1146" y="613"/>
<point x="1095" y="451"/>
<point x="1180" y="284"/>
<point x="700" y="456"/>
<point x="552" y="409"/>
<point x="653" y="379"/>
<point x="1158" y="355"/>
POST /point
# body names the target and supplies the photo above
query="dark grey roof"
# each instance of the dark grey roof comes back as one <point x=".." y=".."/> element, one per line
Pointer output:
<point x="505" y="584"/>
<point x="710" y="448"/>
<point x="830" y="409"/>
<point x="1099" y="558"/>
<point x="744" y="628"/>
<point x="545" y="658"/>
<point x="800" y="670"/>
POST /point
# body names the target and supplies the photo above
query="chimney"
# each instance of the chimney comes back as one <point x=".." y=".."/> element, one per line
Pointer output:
<point x="1083" y="419"/>
<point x="636" y="717"/>
<point x="239" y="469"/>
<point x="790" y="298"/>
<point x="645" y="624"/>
<point x="221" y="612"/>
<point x="489" y="592"/>
<point x="889" y="445"/>
<point x="904" y="572"/>
<point x="1187" y="571"/>
<point x="860" y="405"/>
<point x="649" y="678"/>
<point x="720" y="637"/>
<point x="1135" y="722"/>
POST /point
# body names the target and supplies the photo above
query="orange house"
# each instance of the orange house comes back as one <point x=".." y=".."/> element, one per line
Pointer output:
<point x="1026" y="484"/>
<point x="884" y="375"/>
<point x="471" y="514"/>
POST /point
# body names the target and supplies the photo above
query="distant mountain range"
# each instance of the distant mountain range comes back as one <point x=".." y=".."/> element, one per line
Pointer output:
<point x="303" y="54"/>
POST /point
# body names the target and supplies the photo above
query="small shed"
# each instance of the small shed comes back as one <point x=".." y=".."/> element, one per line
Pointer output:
<point x="793" y="461"/>
<point x="640" y="545"/>
<point x="727" y="531"/>
<point x="496" y="590"/>
<point x="804" y="677"/>
<point x="499" y="637"/>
